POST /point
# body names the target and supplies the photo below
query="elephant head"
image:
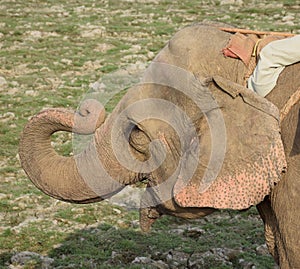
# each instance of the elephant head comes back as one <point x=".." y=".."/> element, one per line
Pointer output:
<point x="200" y="139"/>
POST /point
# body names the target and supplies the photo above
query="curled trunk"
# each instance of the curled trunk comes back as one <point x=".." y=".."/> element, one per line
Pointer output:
<point x="66" y="178"/>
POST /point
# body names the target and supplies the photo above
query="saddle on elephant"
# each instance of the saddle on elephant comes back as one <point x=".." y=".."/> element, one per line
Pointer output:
<point x="265" y="55"/>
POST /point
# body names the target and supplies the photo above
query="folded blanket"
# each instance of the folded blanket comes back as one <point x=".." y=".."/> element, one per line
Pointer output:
<point x="242" y="46"/>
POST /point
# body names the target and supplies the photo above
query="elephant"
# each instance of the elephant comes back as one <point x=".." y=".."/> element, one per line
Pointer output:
<point x="193" y="134"/>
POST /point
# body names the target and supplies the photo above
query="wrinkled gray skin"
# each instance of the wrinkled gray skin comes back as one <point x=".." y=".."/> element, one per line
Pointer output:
<point x="196" y="49"/>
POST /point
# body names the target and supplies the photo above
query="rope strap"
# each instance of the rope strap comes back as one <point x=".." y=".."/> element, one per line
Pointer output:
<point x="246" y="31"/>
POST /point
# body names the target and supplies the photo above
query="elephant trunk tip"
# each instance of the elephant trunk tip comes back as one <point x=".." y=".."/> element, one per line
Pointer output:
<point x="89" y="116"/>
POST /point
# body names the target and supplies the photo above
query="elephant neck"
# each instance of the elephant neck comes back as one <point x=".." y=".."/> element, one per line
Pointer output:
<point x="287" y="84"/>
<point x="285" y="96"/>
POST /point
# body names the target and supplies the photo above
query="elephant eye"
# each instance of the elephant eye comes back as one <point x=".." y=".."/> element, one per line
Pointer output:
<point x="139" y="140"/>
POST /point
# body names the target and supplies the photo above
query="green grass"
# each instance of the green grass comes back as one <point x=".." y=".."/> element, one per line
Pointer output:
<point x="49" y="56"/>
<point x="113" y="247"/>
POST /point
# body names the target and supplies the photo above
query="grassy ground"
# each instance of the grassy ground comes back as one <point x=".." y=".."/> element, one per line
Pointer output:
<point x="50" y="54"/>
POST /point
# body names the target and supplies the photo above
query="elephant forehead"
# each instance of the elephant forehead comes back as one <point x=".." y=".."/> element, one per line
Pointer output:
<point x="187" y="38"/>
<point x="198" y="49"/>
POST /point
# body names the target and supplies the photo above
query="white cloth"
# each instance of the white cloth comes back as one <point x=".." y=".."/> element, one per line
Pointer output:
<point x="272" y="60"/>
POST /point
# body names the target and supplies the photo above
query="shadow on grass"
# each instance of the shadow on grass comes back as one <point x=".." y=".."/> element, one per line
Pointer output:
<point x="173" y="243"/>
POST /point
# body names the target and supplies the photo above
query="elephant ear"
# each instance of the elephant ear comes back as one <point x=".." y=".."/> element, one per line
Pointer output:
<point x="254" y="159"/>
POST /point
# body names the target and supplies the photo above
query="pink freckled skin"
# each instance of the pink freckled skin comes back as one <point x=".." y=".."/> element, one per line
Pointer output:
<point x="238" y="190"/>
